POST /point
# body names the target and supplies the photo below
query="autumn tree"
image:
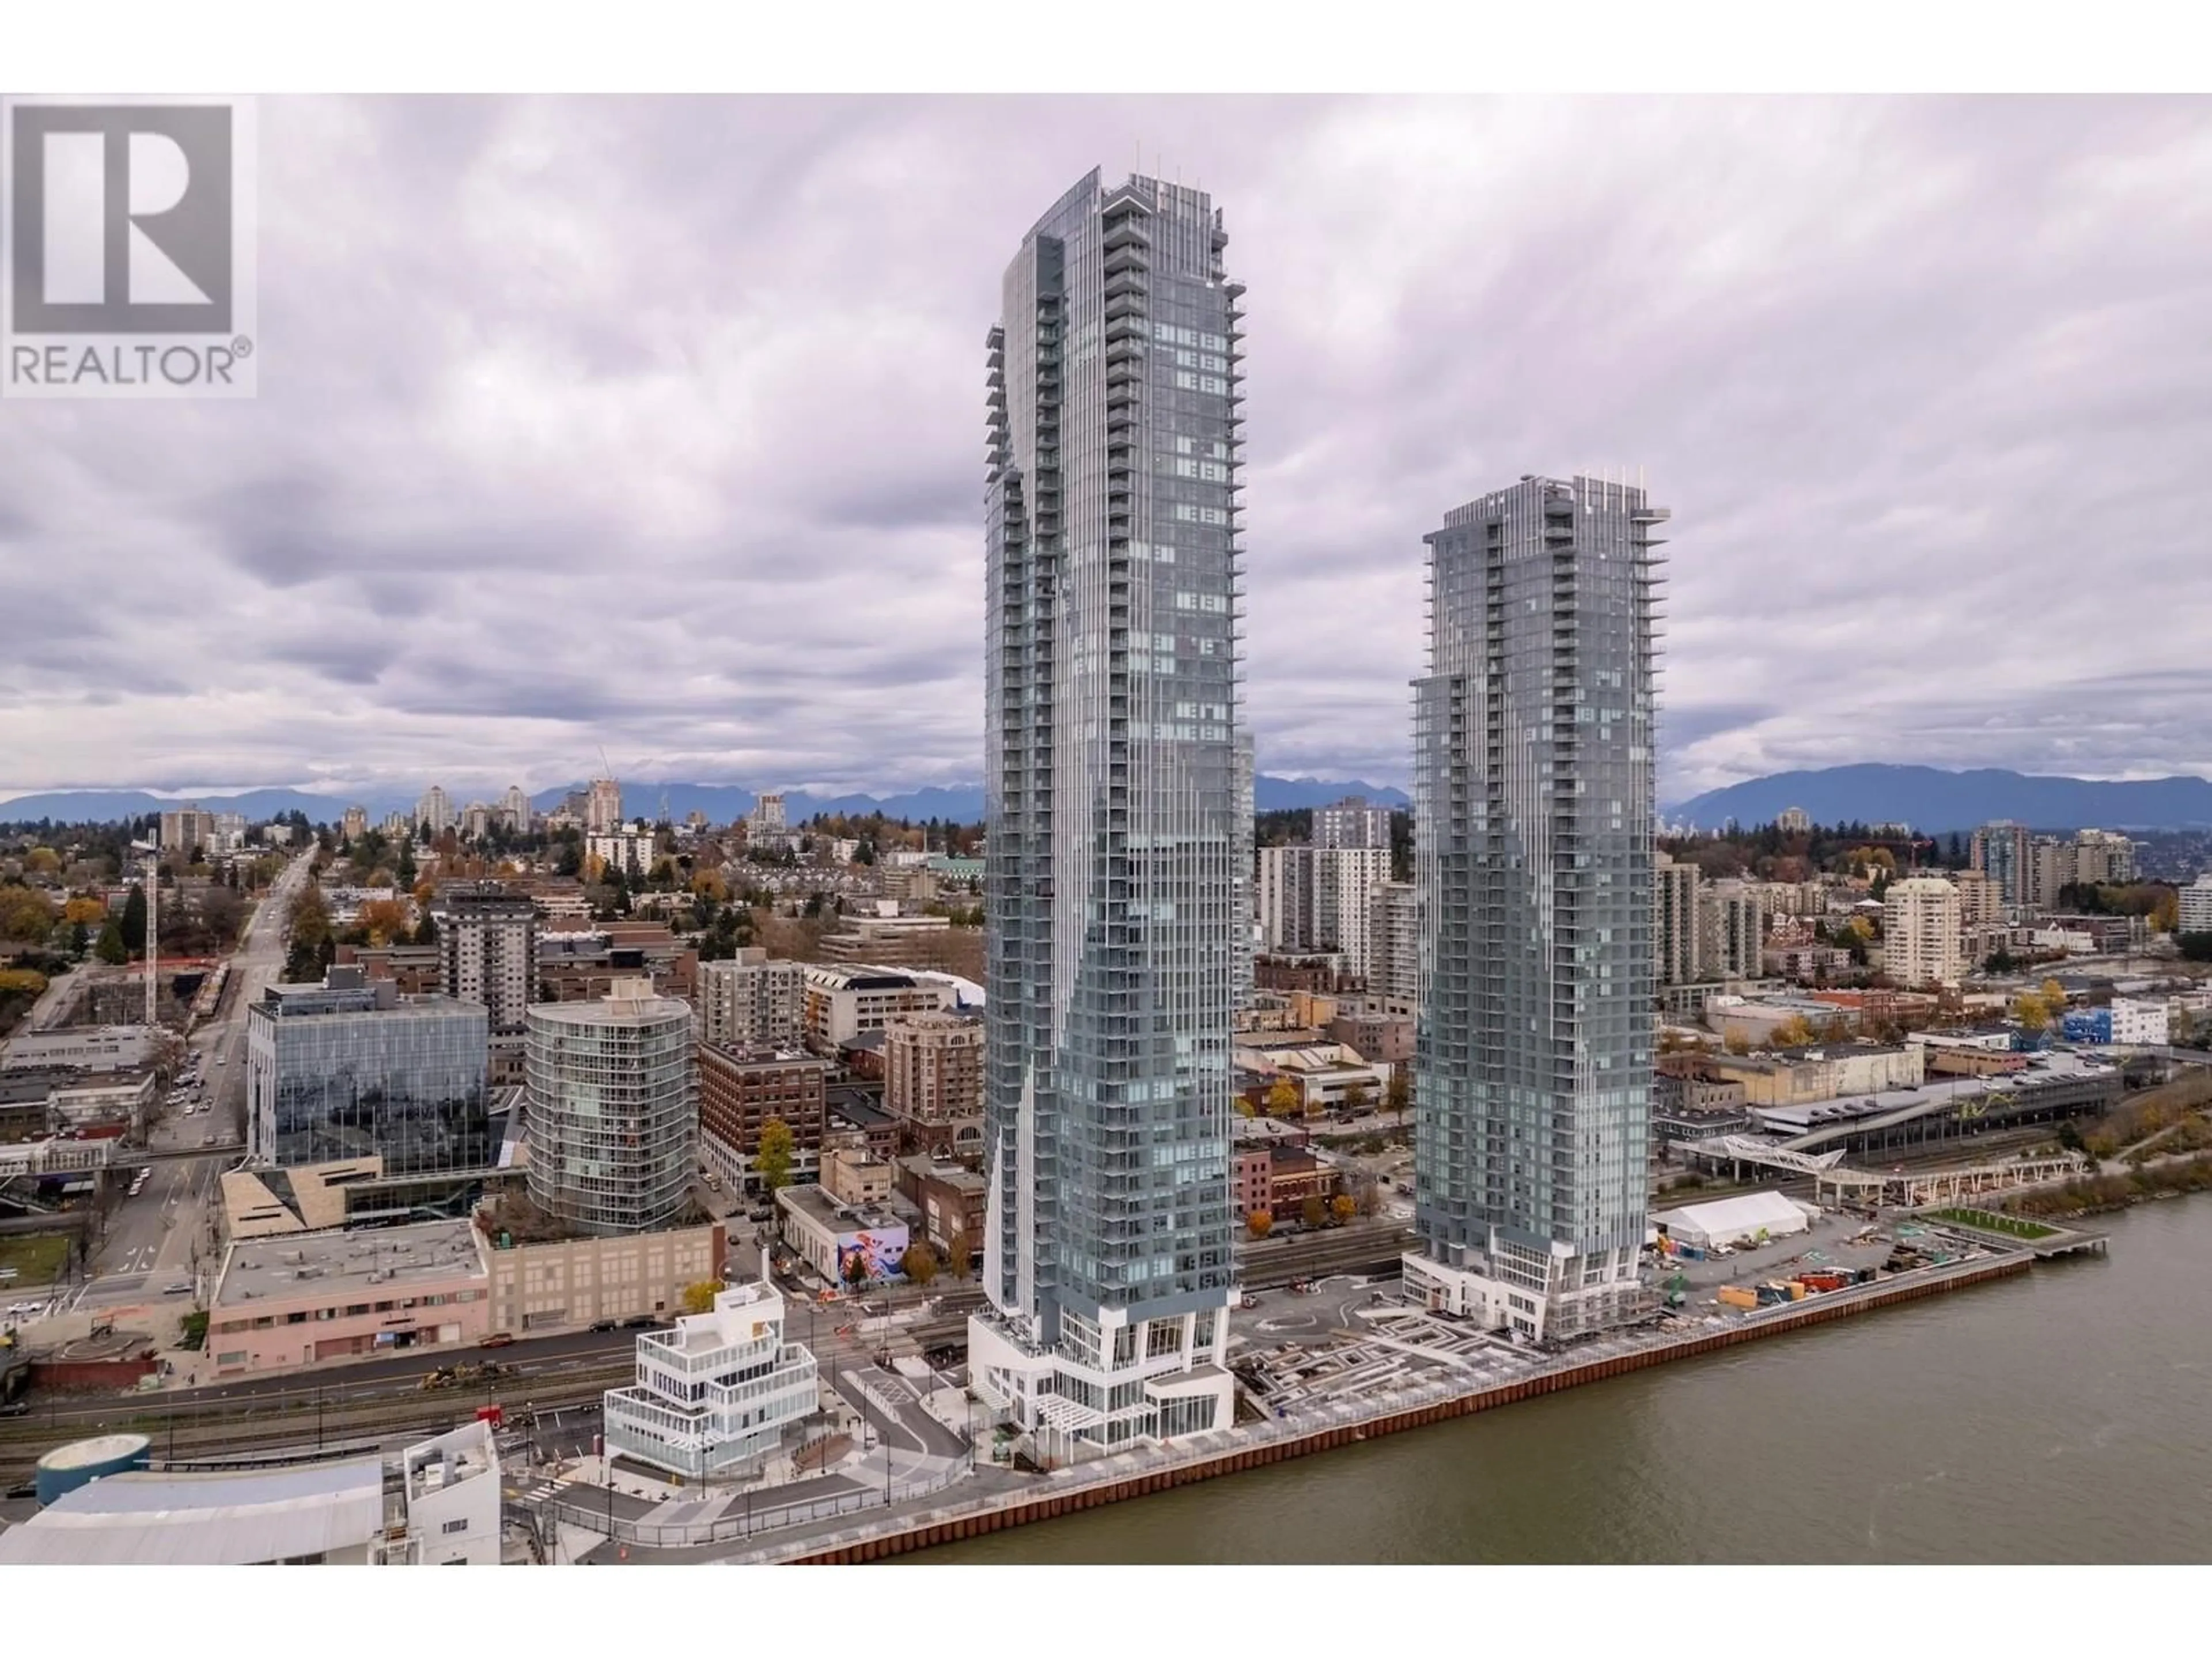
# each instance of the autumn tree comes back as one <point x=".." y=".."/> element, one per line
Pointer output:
<point x="1736" y="1043"/>
<point x="1792" y="1033"/>
<point x="1260" y="1223"/>
<point x="700" y="1298"/>
<point x="1313" y="1211"/>
<point x="919" y="1264"/>
<point x="383" y="920"/>
<point x="1343" y="1208"/>
<point x="2032" y="1011"/>
<point x="90" y="911"/>
<point x="42" y="862"/>
<point x="26" y="915"/>
<point x="1398" y="1097"/>
<point x="958" y="1254"/>
<point x="772" y="1158"/>
<point x="1357" y="1099"/>
<point x="1283" y="1099"/>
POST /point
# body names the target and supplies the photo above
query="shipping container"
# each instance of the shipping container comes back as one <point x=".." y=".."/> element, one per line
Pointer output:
<point x="1734" y="1296"/>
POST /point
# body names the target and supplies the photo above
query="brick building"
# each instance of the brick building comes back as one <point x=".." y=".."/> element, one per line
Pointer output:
<point x="740" y="1090"/>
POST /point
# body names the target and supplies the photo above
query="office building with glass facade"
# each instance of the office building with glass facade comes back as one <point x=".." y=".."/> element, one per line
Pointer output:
<point x="611" y="1116"/>
<point x="350" y="1069"/>
<point x="1533" y="850"/>
<point x="1116" y="867"/>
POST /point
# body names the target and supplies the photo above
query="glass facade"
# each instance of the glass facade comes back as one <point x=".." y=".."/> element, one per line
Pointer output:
<point x="718" y="1393"/>
<point x="331" y="1075"/>
<point x="1120" y="787"/>
<point x="612" y="1119"/>
<point x="1533" y="817"/>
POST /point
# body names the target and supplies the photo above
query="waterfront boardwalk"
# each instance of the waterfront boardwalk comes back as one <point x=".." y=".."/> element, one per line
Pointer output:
<point x="995" y="1499"/>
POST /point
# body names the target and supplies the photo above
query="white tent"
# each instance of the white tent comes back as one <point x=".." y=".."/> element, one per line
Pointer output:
<point x="1732" y="1220"/>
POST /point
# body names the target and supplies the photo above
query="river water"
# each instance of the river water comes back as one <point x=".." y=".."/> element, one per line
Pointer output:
<point x="2062" y="1416"/>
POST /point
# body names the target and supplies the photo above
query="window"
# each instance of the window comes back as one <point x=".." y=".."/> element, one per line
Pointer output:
<point x="461" y="1525"/>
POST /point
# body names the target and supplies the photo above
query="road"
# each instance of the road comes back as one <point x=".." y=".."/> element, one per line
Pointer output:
<point x="160" y="1239"/>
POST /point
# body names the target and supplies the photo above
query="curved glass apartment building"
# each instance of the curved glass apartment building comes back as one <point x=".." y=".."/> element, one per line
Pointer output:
<point x="1119" y="802"/>
<point x="612" y="1121"/>
<point x="1533" y="818"/>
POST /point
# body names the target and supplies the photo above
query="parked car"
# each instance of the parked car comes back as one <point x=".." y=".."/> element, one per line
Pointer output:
<point x="605" y="1324"/>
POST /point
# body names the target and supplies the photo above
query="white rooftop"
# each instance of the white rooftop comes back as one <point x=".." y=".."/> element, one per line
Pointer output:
<point x="140" y="1519"/>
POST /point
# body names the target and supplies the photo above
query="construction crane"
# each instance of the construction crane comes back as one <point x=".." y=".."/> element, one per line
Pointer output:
<point x="152" y="849"/>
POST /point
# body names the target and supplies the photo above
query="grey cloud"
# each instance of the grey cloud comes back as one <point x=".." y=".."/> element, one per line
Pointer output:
<point x="656" y="424"/>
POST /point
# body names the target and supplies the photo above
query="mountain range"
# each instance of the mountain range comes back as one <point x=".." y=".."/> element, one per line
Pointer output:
<point x="721" y="802"/>
<point x="1934" y="800"/>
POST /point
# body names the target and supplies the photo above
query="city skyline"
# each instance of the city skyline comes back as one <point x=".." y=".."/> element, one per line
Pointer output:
<point x="503" y="597"/>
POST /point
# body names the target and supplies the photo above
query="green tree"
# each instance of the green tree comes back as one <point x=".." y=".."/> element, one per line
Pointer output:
<point x="134" y="919"/>
<point x="772" y="1159"/>
<point x="919" y="1264"/>
<point x="111" y="949"/>
<point x="1356" y="1099"/>
<point x="1313" y="1211"/>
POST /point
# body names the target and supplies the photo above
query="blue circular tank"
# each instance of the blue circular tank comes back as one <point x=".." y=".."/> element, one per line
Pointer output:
<point x="80" y="1462"/>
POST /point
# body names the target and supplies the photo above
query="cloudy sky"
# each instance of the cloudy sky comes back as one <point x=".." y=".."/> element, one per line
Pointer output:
<point x="657" y="425"/>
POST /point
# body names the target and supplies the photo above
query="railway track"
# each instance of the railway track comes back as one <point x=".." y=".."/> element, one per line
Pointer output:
<point x="266" y="1424"/>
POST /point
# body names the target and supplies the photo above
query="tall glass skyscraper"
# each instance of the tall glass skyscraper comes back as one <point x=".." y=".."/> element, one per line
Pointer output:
<point x="1119" y="805"/>
<point x="1533" y="823"/>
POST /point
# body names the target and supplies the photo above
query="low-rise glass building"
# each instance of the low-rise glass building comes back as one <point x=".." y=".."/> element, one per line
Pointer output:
<point x="715" y="1393"/>
<point x="351" y="1069"/>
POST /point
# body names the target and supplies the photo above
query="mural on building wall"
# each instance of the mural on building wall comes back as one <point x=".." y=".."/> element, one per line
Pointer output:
<point x="880" y="1248"/>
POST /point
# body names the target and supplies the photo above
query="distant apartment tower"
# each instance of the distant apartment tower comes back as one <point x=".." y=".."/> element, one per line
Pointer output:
<point x="2195" y="911"/>
<point x="1979" y="902"/>
<point x="1920" y="932"/>
<point x="186" y="830"/>
<point x="1533" y="818"/>
<point x="2000" y="850"/>
<point x="1793" y="821"/>
<point x="1116" y="779"/>
<point x="933" y="1081"/>
<point x="350" y="1069"/>
<point x="434" y="812"/>
<point x="603" y="811"/>
<point x="1394" y="934"/>
<point x="1731" y="930"/>
<point x="2101" y="856"/>
<point x="476" y="821"/>
<point x="1320" y="900"/>
<point x="751" y="1001"/>
<point x="766" y="819"/>
<point x="514" y="809"/>
<point x="1675" y="920"/>
<point x="354" y="824"/>
<point x="1352" y="821"/>
<point x="611" y="1119"/>
<point x="488" y="953"/>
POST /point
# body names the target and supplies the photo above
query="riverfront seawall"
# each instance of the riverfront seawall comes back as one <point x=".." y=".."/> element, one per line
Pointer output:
<point x="926" y="1533"/>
